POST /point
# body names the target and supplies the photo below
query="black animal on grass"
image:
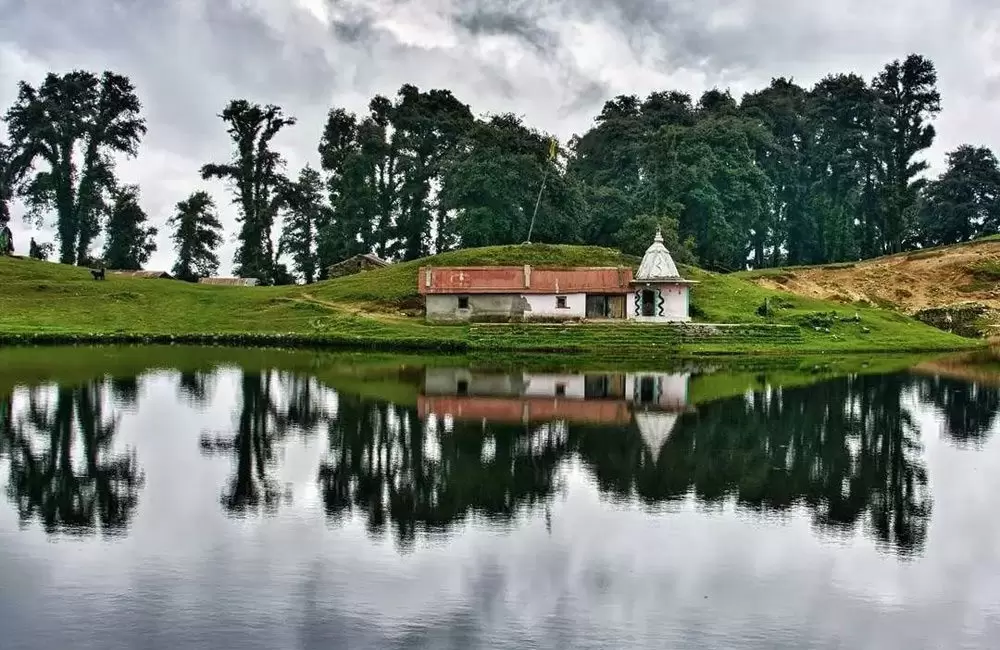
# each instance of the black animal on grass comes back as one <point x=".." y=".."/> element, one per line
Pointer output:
<point x="98" y="272"/>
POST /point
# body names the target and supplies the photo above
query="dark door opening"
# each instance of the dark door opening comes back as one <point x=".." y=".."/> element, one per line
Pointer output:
<point x="595" y="387"/>
<point x="597" y="307"/>
<point x="647" y="390"/>
<point x="648" y="302"/>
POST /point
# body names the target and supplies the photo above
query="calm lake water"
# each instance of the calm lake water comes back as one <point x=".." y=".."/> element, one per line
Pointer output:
<point x="185" y="498"/>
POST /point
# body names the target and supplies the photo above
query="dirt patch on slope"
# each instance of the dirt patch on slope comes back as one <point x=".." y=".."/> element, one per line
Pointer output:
<point x="910" y="282"/>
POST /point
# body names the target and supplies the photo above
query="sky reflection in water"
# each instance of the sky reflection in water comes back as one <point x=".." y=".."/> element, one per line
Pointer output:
<point x="248" y="508"/>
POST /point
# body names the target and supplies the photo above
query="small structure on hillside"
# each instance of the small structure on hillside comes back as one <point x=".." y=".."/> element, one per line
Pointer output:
<point x="355" y="264"/>
<point x="656" y="294"/>
<point x="524" y="292"/>
<point x="150" y="275"/>
<point x="231" y="282"/>
<point x="661" y="295"/>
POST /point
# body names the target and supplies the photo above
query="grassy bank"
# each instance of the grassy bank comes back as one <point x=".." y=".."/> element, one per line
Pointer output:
<point x="399" y="378"/>
<point x="379" y="311"/>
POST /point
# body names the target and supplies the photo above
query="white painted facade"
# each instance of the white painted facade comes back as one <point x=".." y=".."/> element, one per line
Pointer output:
<point x="545" y="305"/>
<point x="676" y="303"/>
<point x="659" y="293"/>
<point x="657" y="389"/>
<point x="570" y="386"/>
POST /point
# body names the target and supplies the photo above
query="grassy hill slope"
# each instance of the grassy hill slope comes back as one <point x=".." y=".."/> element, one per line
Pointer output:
<point x="955" y="278"/>
<point x="43" y="301"/>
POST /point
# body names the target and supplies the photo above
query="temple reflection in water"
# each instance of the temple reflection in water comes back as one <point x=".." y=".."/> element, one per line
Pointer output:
<point x="651" y="402"/>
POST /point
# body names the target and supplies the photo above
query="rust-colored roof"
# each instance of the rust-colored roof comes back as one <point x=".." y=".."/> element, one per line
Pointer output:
<point x="233" y="282"/>
<point x="523" y="279"/>
<point x="529" y="409"/>
<point x="142" y="274"/>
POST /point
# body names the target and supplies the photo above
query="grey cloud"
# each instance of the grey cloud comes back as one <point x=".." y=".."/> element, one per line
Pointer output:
<point x="189" y="57"/>
<point x="504" y="22"/>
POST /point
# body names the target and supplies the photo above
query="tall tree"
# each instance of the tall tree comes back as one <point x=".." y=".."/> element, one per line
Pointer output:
<point x="255" y="175"/>
<point x="76" y="122"/>
<point x="610" y="158"/>
<point x="708" y="175"/>
<point x="964" y="202"/>
<point x="384" y="170"/>
<point x="427" y="127"/>
<point x="15" y="164"/>
<point x="909" y="97"/>
<point x="492" y="183"/>
<point x="129" y="241"/>
<point x="307" y="213"/>
<point x="350" y="187"/>
<point x="197" y="234"/>
<point x="842" y="218"/>
<point x="781" y="109"/>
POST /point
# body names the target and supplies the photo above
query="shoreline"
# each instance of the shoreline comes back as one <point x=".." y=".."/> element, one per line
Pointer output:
<point x="667" y="350"/>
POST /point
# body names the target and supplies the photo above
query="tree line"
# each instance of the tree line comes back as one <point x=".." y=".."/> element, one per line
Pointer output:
<point x="847" y="450"/>
<point x="786" y="175"/>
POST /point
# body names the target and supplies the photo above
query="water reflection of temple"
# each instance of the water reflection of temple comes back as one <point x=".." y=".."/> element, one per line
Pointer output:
<point x="652" y="401"/>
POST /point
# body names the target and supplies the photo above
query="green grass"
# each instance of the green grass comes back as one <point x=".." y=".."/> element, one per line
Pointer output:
<point x="730" y="298"/>
<point x="52" y="303"/>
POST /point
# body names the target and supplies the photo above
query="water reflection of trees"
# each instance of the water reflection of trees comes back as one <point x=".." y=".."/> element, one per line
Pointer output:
<point x="271" y="404"/>
<point x="64" y="470"/>
<point x="385" y="463"/>
<point x="195" y="387"/>
<point x="969" y="410"/>
<point x="847" y="449"/>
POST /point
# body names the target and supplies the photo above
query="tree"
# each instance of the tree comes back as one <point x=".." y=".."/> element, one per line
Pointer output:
<point x="129" y="241"/>
<point x="307" y="213"/>
<point x="383" y="172"/>
<point x="15" y="163"/>
<point x="781" y="109"/>
<point x="964" y="202"/>
<point x="196" y="236"/>
<point x="637" y="234"/>
<point x="708" y="175"/>
<point x="75" y="123"/>
<point x="492" y="181"/>
<point x="909" y="99"/>
<point x="349" y="187"/>
<point x="254" y="174"/>
<point x="610" y="159"/>
<point x="427" y="126"/>
<point x="38" y="251"/>
<point x="842" y="218"/>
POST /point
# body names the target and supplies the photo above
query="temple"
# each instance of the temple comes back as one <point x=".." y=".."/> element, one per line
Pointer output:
<point x="661" y="294"/>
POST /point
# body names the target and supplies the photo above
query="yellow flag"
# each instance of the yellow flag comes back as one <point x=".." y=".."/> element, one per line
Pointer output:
<point x="552" y="148"/>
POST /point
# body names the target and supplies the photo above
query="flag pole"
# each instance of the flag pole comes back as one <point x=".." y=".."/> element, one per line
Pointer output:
<point x="538" y="201"/>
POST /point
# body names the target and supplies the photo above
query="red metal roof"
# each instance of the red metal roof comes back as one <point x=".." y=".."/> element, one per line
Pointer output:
<point x="523" y="279"/>
<point x="531" y="409"/>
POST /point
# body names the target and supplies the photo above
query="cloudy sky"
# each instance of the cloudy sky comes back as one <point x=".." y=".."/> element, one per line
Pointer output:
<point x="553" y="61"/>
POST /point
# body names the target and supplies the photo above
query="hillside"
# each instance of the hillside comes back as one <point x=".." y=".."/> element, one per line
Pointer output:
<point x="379" y="309"/>
<point x="963" y="279"/>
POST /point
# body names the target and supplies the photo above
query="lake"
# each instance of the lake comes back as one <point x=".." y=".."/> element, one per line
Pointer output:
<point x="210" y="498"/>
